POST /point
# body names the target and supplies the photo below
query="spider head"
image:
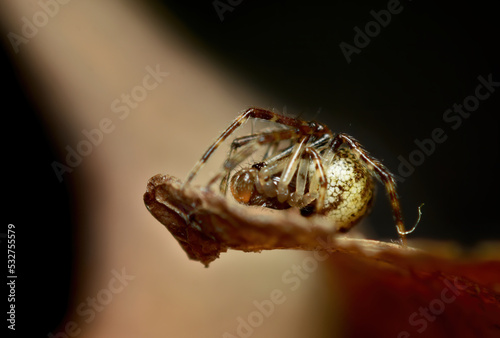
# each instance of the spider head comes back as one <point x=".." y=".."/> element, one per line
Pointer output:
<point x="317" y="128"/>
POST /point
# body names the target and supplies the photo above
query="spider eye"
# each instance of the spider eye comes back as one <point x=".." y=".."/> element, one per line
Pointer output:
<point x="313" y="125"/>
<point x="242" y="185"/>
<point x="259" y="165"/>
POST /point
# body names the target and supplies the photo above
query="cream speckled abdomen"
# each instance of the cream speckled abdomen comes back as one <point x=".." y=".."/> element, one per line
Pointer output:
<point x="350" y="190"/>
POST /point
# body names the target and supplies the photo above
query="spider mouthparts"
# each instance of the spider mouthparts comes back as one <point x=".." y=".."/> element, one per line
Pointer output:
<point x="259" y="165"/>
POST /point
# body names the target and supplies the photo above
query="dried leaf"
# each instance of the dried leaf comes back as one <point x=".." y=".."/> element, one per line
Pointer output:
<point x="206" y="224"/>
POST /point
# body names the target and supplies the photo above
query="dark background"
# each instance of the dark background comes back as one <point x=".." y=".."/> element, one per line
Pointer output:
<point x="40" y="208"/>
<point x="395" y="91"/>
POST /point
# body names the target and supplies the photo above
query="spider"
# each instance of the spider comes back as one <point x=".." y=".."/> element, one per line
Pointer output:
<point x="317" y="171"/>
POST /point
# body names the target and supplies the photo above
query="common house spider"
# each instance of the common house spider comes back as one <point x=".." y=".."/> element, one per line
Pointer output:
<point x="304" y="166"/>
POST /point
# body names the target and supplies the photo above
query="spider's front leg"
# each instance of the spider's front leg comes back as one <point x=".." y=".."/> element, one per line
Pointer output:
<point x="301" y="126"/>
<point x="382" y="173"/>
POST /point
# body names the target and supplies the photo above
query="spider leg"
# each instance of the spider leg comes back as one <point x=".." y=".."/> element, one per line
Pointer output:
<point x="264" y="182"/>
<point x="272" y="138"/>
<point x="381" y="172"/>
<point x="302" y="126"/>
<point x="271" y="151"/>
<point x="300" y="199"/>
<point x="319" y="183"/>
<point x="297" y="198"/>
<point x="249" y="145"/>
<point x="289" y="171"/>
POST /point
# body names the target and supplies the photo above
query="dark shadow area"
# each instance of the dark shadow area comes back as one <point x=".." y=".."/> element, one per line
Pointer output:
<point x="39" y="207"/>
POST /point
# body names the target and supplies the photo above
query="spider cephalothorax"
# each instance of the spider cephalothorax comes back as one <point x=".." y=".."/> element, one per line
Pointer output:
<point x="318" y="172"/>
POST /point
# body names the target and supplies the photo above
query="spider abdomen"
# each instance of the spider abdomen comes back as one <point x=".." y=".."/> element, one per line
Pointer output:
<point x="350" y="190"/>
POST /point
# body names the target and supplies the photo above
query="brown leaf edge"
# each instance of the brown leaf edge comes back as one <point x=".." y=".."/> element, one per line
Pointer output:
<point x="206" y="224"/>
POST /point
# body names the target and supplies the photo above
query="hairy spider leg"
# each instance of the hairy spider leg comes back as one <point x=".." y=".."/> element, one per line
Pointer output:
<point x="251" y="146"/>
<point x="319" y="182"/>
<point x="304" y="127"/>
<point x="253" y="142"/>
<point x="298" y="198"/>
<point x="271" y="151"/>
<point x="291" y="167"/>
<point x="382" y="173"/>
